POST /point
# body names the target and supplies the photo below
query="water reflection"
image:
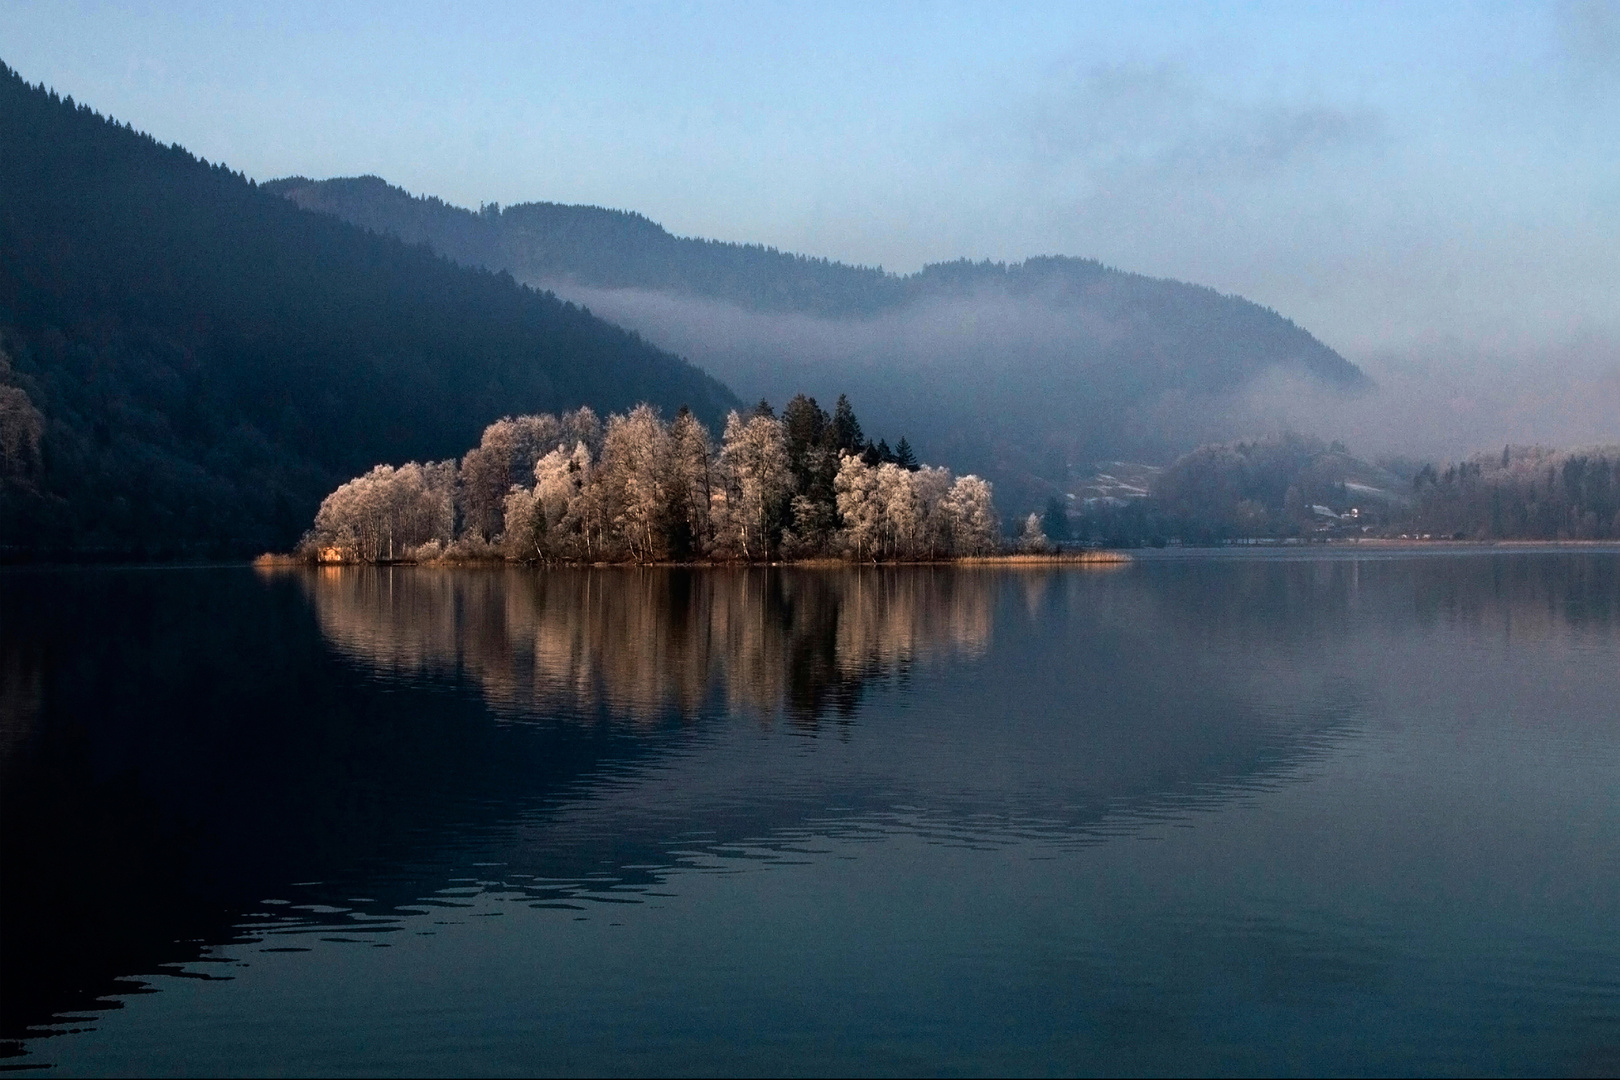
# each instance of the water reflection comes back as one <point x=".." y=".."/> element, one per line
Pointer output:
<point x="177" y="747"/>
<point x="641" y="644"/>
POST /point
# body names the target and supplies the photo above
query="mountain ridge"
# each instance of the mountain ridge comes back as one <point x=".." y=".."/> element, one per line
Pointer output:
<point x="1022" y="372"/>
<point x="537" y="238"/>
<point x="189" y="362"/>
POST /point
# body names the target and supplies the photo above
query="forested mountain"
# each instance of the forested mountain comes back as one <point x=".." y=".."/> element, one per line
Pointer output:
<point x="1023" y="372"/>
<point x="608" y="248"/>
<point x="189" y="363"/>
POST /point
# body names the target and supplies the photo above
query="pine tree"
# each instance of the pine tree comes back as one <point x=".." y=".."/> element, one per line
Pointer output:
<point x="905" y="457"/>
<point x="804" y="426"/>
<point x="846" y="430"/>
<point x="1055" y="521"/>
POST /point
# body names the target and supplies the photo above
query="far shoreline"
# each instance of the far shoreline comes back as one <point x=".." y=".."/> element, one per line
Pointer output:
<point x="1091" y="557"/>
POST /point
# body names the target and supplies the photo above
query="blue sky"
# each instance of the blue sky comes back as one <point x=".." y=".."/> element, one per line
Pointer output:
<point x="1402" y="179"/>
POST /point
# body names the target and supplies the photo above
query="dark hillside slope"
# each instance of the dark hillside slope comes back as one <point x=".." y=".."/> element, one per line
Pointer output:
<point x="191" y="362"/>
<point x="1024" y="371"/>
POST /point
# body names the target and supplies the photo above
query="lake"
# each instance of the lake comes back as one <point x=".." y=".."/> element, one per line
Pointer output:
<point x="1308" y="812"/>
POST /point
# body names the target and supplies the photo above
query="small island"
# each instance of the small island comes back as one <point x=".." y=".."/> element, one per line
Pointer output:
<point x="805" y="486"/>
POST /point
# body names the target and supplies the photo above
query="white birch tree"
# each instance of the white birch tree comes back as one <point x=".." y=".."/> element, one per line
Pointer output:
<point x="970" y="515"/>
<point x="755" y="458"/>
<point x="634" y="475"/>
<point x="860" y="505"/>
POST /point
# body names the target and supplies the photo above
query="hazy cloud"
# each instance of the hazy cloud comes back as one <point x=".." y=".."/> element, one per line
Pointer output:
<point x="1100" y="125"/>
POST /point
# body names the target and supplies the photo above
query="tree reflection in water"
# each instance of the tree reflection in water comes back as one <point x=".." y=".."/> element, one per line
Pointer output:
<point x="642" y="644"/>
<point x="177" y="745"/>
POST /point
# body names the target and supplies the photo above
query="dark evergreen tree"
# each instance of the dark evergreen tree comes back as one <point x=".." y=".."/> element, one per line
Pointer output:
<point x="905" y="457"/>
<point x="1055" y="521"/>
<point x="846" y="430"/>
<point x="805" y="425"/>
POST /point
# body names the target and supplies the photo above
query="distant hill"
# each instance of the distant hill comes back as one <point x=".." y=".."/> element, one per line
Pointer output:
<point x="1274" y="487"/>
<point x="189" y="362"/>
<point x="1026" y="371"/>
<point x="1293" y="486"/>
<point x="1268" y="484"/>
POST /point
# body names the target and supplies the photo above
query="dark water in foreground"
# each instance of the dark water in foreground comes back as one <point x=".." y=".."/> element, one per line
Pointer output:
<point x="1277" y="814"/>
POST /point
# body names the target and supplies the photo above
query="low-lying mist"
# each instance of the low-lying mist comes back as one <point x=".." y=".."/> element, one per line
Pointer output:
<point x="1446" y="404"/>
<point x="1013" y="387"/>
<point x="1031" y="393"/>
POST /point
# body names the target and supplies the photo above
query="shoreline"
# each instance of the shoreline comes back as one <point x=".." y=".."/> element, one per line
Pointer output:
<point x="1110" y="557"/>
<point x="1090" y="556"/>
<point x="1096" y="557"/>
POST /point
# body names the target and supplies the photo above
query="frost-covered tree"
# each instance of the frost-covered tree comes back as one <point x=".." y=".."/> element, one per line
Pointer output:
<point x="755" y="464"/>
<point x="560" y="481"/>
<point x="691" y="486"/>
<point x="901" y="510"/>
<point x="860" y="505"/>
<point x="583" y="426"/>
<point x="641" y="489"/>
<point x="388" y="512"/>
<point x="505" y="456"/>
<point x="888" y="511"/>
<point x="1033" y="539"/>
<point x="931" y="487"/>
<point x="525" y="536"/>
<point x="970" y="516"/>
<point x="634" y="475"/>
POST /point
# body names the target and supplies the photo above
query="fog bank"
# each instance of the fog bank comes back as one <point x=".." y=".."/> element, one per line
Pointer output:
<point x="1031" y="393"/>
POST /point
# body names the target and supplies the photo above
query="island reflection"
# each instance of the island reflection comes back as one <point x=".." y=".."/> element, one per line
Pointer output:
<point x="202" y="739"/>
<point x="645" y="644"/>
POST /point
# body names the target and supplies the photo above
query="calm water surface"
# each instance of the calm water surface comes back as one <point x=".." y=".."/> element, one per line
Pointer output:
<point x="1277" y="814"/>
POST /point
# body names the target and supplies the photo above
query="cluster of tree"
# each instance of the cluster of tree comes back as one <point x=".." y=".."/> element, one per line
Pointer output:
<point x="1525" y="493"/>
<point x="194" y="361"/>
<point x="572" y="489"/>
<point x="390" y="511"/>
